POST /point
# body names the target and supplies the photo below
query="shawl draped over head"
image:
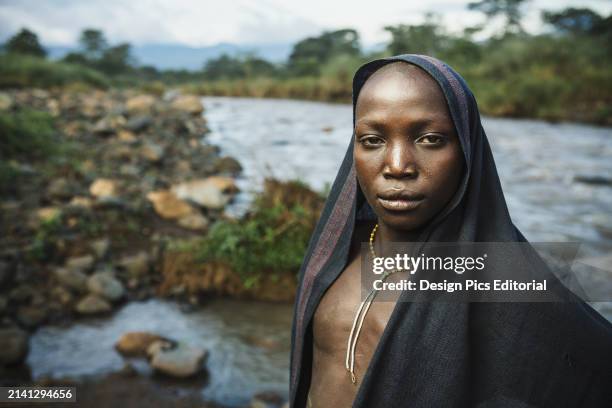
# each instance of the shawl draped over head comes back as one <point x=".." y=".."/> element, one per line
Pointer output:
<point x="462" y="354"/>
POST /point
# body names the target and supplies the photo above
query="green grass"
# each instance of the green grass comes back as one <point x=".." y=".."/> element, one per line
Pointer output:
<point x="271" y="239"/>
<point x="543" y="77"/>
<point x="19" y="71"/>
<point x="44" y="241"/>
<point x="28" y="133"/>
<point x="29" y="136"/>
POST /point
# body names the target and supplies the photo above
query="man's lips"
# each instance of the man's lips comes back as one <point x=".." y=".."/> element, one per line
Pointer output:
<point x="400" y="200"/>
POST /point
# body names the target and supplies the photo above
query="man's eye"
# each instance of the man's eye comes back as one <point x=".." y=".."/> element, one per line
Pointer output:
<point x="430" y="140"/>
<point x="370" y="141"/>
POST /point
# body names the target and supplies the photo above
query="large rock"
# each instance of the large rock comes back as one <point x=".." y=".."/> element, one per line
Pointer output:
<point x="59" y="189"/>
<point x="195" y="222"/>
<point x="188" y="103"/>
<point x="53" y="108"/>
<point x="6" y="101"/>
<point x="13" y="346"/>
<point x="93" y="304"/>
<point x="228" y="165"/>
<point x="212" y="192"/>
<point x="139" y="123"/>
<point x="81" y="263"/>
<point x="108" y="125"/>
<point x="71" y="278"/>
<point x="81" y="202"/>
<point x="103" y="188"/>
<point x="135" y="344"/>
<point x="48" y="214"/>
<point x="135" y="265"/>
<point x="127" y="136"/>
<point x="106" y="285"/>
<point x="178" y="360"/>
<point x="89" y="106"/>
<point x="140" y="104"/>
<point x="167" y="205"/>
<point x="62" y="295"/>
<point x="152" y="152"/>
<point x="100" y="247"/>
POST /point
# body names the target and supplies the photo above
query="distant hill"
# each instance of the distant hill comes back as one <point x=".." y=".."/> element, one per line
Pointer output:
<point x="176" y="56"/>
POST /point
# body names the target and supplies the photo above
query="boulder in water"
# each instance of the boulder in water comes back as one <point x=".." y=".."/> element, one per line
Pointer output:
<point x="135" y="344"/>
<point x="212" y="192"/>
<point x="178" y="360"/>
<point x="167" y="205"/>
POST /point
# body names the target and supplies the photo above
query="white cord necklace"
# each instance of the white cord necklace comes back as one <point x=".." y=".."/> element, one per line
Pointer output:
<point x="359" y="317"/>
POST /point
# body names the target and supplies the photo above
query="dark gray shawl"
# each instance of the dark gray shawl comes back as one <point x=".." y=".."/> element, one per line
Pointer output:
<point x="441" y="354"/>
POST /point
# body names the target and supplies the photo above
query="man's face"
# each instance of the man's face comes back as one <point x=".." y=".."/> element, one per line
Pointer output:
<point x="407" y="154"/>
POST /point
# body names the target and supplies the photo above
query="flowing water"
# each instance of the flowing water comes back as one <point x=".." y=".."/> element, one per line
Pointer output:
<point x="537" y="163"/>
<point x="248" y="344"/>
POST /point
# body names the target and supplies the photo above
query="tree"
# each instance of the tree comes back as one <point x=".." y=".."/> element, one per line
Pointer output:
<point x="309" y="54"/>
<point x="577" y="21"/>
<point x="224" y="66"/>
<point x="426" y="38"/>
<point x="25" y="42"/>
<point x="115" y="60"/>
<point x="96" y="53"/>
<point x="93" y="43"/>
<point x="76" y="58"/>
<point x="510" y="9"/>
<point x="255" y="66"/>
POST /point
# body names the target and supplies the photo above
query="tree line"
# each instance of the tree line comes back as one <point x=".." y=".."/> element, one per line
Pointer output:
<point x="562" y="73"/>
<point x="309" y="56"/>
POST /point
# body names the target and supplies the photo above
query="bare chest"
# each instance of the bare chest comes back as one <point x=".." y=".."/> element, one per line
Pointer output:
<point x="336" y="314"/>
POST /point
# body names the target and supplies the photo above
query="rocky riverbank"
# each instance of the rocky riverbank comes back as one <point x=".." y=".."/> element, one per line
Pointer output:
<point x="85" y="230"/>
<point x="91" y="226"/>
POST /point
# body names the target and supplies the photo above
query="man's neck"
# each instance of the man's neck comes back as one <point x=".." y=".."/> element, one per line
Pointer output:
<point x="388" y="234"/>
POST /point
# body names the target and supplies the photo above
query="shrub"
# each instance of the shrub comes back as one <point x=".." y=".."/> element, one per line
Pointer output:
<point x="26" y="133"/>
<point x="18" y="71"/>
<point x="271" y="238"/>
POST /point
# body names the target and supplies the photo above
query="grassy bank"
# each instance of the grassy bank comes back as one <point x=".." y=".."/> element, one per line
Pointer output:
<point x="256" y="256"/>
<point x="540" y="77"/>
<point x="21" y="71"/>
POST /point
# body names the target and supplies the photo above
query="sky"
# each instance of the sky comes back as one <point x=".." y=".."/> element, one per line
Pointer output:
<point x="200" y="23"/>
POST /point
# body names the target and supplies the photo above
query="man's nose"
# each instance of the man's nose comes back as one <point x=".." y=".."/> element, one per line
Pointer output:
<point x="400" y="161"/>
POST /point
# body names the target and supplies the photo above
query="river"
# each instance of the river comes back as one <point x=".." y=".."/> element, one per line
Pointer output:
<point x="538" y="163"/>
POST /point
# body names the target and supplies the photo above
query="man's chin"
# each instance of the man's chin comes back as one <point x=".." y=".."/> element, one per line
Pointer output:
<point x="401" y="221"/>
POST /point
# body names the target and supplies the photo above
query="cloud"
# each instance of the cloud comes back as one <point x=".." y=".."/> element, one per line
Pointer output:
<point x="208" y="22"/>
